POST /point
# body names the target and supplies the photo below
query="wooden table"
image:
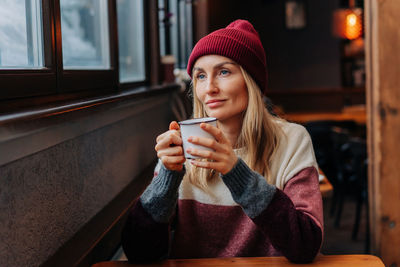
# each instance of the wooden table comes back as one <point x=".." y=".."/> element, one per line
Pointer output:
<point x="321" y="260"/>
<point x="326" y="188"/>
<point x="304" y="117"/>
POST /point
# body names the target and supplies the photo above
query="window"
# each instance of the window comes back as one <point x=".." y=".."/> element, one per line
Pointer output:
<point x="85" y="38"/>
<point x="185" y="33"/>
<point x="176" y="38"/>
<point x="49" y="47"/>
<point x="131" y="40"/>
<point x="27" y="59"/>
<point x="21" y="37"/>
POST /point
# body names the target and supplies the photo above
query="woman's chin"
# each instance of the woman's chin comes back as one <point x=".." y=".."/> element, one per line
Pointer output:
<point x="215" y="115"/>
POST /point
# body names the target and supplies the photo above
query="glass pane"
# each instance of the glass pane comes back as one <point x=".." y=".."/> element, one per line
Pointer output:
<point x="85" y="34"/>
<point x="175" y="30"/>
<point x="131" y="40"/>
<point x="186" y="35"/>
<point x="173" y="22"/>
<point x="21" y="36"/>
<point x="161" y="26"/>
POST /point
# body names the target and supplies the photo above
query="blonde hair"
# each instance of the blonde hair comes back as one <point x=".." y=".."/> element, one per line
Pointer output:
<point x="258" y="139"/>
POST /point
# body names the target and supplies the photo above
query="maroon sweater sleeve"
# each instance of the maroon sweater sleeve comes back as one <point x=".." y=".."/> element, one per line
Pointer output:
<point x="293" y="219"/>
<point x="143" y="239"/>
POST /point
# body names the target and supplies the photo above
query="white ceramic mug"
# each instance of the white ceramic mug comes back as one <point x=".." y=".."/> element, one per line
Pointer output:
<point x="192" y="128"/>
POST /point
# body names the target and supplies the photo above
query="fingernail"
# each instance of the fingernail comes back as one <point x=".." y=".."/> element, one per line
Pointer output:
<point x="190" y="139"/>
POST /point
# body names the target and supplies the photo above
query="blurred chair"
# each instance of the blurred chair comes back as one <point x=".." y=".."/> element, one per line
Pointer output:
<point x="339" y="137"/>
<point x="354" y="165"/>
<point x="327" y="136"/>
<point x="343" y="158"/>
<point x="320" y="133"/>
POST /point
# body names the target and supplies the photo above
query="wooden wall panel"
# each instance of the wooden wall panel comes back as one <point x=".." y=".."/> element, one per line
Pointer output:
<point x="317" y="99"/>
<point x="383" y="98"/>
<point x="296" y="59"/>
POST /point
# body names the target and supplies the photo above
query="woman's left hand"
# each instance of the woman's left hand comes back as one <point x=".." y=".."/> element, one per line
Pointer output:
<point x="222" y="159"/>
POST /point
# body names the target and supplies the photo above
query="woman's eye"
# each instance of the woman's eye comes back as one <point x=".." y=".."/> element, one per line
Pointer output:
<point x="200" y="76"/>
<point x="224" y="72"/>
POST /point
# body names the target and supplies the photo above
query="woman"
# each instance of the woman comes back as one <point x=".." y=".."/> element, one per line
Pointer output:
<point x="257" y="194"/>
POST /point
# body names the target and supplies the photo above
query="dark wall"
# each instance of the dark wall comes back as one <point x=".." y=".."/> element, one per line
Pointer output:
<point x="48" y="195"/>
<point x="297" y="59"/>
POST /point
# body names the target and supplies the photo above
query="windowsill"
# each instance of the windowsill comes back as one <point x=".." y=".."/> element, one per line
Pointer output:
<point x="30" y="130"/>
<point x="17" y="112"/>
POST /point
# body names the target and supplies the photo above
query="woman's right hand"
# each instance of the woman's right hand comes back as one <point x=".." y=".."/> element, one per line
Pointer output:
<point x="169" y="148"/>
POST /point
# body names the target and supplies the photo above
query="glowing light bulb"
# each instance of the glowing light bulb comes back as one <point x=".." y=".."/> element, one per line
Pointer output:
<point x="348" y="23"/>
<point x="353" y="26"/>
<point x="351" y="20"/>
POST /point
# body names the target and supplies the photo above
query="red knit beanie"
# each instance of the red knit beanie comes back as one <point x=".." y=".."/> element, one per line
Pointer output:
<point x="238" y="41"/>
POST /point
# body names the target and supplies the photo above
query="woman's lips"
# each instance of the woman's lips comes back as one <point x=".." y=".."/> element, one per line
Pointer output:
<point x="214" y="103"/>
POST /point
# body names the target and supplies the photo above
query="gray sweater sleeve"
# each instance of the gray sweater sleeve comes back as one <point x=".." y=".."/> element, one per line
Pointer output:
<point x="249" y="189"/>
<point x="160" y="197"/>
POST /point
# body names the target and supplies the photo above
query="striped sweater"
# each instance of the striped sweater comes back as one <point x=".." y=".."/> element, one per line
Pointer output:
<point x="241" y="216"/>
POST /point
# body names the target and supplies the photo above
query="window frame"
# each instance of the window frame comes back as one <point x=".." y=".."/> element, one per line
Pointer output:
<point x="53" y="80"/>
<point x="81" y="80"/>
<point x="18" y="83"/>
<point x="183" y="30"/>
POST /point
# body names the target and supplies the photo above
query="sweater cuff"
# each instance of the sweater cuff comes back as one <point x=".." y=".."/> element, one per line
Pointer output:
<point x="160" y="197"/>
<point x="249" y="189"/>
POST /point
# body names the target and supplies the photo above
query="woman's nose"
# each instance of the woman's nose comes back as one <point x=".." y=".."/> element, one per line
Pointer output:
<point x="212" y="86"/>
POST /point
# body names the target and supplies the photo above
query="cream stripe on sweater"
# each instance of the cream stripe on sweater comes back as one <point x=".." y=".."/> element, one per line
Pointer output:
<point x="295" y="153"/>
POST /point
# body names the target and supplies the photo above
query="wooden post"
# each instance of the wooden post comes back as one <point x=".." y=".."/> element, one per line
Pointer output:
<point x="383" y="109"/>
<point x="200" y="19"/>
<point x="155" y="60"/>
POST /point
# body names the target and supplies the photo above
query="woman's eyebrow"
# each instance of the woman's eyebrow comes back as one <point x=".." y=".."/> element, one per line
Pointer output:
<point x="215" y="66"/>
<point x="223" y="63"/>
<point x="197" y="68"/>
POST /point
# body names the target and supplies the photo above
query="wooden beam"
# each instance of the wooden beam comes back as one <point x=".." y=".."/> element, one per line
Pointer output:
<point x="152" y="27"/>
<point x="383" y="108"/>
<point x="200" y="19"/>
